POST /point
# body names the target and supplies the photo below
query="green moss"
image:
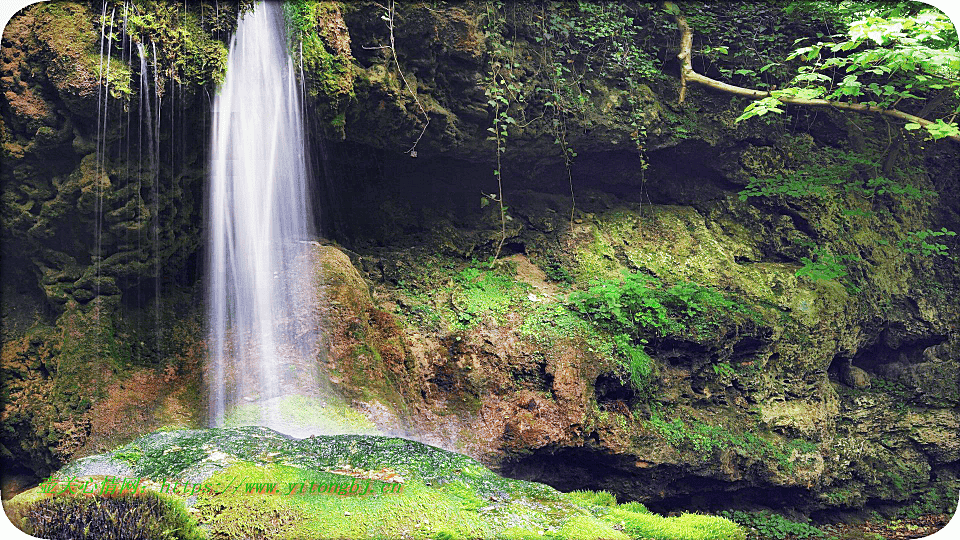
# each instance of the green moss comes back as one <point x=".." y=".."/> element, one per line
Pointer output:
<point x="684" y="527"/>
<point x="588" y="528"/>
<point x="256" y="483"/>
<point x="186" y="39"/>
<point x="596" y="260"/>
<point x="417" y="510"/>
<point x="299" y="413"/>
<point x="476" y="294"/>
<point x="148" y="515"/>
<point x="66" y="28"/>
<point x="707" y="440"/>
<point x="519" y="533"/>
<point x="320" y="41"/>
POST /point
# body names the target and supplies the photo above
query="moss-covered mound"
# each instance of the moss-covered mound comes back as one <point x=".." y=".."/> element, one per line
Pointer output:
<point x="252" y="482"/>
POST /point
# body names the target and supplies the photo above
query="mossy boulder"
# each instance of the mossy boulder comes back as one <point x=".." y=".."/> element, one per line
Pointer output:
<point x="252" y="482"/>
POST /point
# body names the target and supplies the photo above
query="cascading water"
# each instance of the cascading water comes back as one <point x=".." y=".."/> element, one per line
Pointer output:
<point x="261" y="306"/>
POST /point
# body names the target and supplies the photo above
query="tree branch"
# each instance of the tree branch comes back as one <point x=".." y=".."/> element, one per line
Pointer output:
<point x="687" y="73"/>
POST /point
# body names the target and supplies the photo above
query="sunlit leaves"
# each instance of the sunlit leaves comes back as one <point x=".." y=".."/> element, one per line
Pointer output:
<point x="761" y="107"/>
<point x="884" y="60"/>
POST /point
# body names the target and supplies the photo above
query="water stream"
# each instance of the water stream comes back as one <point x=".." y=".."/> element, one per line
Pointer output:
<point x="263" y="328"/>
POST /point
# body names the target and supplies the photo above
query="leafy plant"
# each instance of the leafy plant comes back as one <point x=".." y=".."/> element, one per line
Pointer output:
<point x="767" y="525"/>
<point x="826" y="172"/>
<point x="501" y="119"/>
<point x="885" y="55"/>
<point x="480" y="291"/>
<point x="825" y="266"/>
<point x="723" y="369"/>
<point x="638" y="305"/>
<point x="916" y="242"/>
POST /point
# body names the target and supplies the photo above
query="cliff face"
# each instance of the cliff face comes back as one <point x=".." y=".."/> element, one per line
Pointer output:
<point x="784" y="345"/>
<point x="102" y="168"/>
<point x="786" y="388"/>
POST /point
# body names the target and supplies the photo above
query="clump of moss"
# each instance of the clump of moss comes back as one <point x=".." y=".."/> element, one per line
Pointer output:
<point x="190" y="39"/>
<point x="683" y="527"/>
<point x="148" y="515"/>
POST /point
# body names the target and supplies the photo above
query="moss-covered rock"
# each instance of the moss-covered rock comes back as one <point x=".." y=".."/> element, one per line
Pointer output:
<point x="254" y="482"/>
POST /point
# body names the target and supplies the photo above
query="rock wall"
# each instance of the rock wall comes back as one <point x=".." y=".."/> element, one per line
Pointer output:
<point x="828" y="397"/>
<point x="102" y="168"/>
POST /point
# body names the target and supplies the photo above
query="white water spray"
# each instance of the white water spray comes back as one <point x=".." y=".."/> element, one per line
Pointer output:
<point x="261" y="302"/>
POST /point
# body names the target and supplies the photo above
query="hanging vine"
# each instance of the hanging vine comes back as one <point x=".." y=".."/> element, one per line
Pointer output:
<point x="389" y="17"/>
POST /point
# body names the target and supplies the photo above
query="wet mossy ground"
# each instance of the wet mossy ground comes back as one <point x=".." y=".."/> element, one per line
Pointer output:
<point x="254" y="483"/>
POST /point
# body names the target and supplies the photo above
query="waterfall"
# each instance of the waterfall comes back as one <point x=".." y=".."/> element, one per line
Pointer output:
<point x="260" y="282"/>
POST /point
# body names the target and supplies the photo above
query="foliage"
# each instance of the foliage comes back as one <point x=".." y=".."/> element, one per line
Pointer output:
<point x="599" y="39"/>
<point x="767" y="525"/>
<point x="639" y="306"/>
<point x="825" y="172"/>
<point x="723" y="369"/>
<point x="938" y="499"/>
<point x="736" y="38"/>
<point x="708" y="440"/>
<point x="916" y="242"/>
<point x="323" y="55"/>
<point x="638" y="363"/>
<point x="825" y="266"/>
<point x="575" y="44"/>
<point x="189" y="40"/>
<point x="501" y="119"/>
<point x="886" y="55"/>
<point x="479" y="291"/>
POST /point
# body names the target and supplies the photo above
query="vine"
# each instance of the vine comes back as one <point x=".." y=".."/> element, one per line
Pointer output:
<point x="501" y="118"/>
<point x="388" y="17"/>
<point x="575" y="44"/>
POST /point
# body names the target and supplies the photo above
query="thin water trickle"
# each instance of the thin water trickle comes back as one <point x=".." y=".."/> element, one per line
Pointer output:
<point x="261" y="299"/>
